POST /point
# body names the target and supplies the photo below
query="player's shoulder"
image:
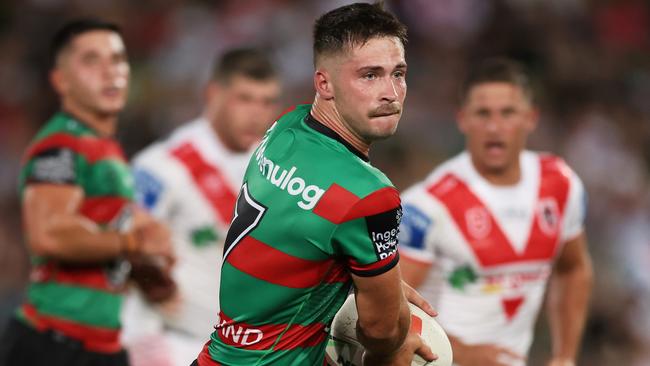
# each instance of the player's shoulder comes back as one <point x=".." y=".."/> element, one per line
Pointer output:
<point x="62" y="123"/>
<point x="158" y="153"/>
<point x="551" y="165"/>
<point x="191" y="130"/>
<point x="65" y="132"/>
<point x="457" y="167"/>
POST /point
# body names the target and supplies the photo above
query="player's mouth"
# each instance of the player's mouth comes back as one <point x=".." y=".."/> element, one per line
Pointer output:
<point x="112" y="92"/>
<point x="495" y="147"/>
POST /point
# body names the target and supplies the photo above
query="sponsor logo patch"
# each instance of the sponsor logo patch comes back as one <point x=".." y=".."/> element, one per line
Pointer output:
<point x="383" y="229"/>
<point x="54" y="166"/>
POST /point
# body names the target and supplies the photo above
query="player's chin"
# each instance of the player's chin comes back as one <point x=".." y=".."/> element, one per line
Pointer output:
<point x="496" y="165"/>
<point x="112" y="106"/>
<point x="384" y="126"/>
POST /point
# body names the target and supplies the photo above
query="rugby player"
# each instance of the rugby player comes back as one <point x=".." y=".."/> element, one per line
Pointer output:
<point x="79" y="220"/>
<point x="190" y="181"/>
<point x="314" y="218"/>
<point x="486" y="232"/>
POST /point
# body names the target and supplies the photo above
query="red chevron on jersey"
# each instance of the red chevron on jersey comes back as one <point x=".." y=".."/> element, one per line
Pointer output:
<point x="210" y="181"/>
<point x="482" y="232"/>
<point x="340" y="205"/>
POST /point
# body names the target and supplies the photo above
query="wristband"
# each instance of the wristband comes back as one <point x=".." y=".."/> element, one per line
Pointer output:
<point x="130" y="244"/>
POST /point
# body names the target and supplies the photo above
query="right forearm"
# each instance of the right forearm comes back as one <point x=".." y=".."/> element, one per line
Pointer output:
<point x="77" y="239"/>
<point x="380" y="345"/>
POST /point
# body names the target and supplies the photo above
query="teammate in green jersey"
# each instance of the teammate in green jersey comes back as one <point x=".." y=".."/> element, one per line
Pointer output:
<point x="314" y="218"/>
<point x="76" y="191"/>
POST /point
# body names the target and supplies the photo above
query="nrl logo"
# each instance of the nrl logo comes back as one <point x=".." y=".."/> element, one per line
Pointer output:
<point x="548" y="216"/>
<point x="478" y="222"/>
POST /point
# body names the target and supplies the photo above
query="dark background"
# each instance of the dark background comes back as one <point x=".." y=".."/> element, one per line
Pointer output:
<point x="590" y="61"/>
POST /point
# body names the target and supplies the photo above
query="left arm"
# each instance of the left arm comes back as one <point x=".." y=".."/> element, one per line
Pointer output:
<point x="568" y="299"/>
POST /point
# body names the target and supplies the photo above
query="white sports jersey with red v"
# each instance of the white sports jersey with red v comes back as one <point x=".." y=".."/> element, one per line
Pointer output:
<point x="492" y="247"/>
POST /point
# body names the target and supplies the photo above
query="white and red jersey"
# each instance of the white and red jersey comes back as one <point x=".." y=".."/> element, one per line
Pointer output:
<point x="190" y="182"/>
<point x="492" y="247"/>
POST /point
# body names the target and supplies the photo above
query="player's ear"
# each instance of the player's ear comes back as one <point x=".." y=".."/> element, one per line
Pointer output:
<point x="211" y="91"/>
<point x="212" y="96"/>
<point x="58" y="81"/>
<point x="461" y="120"/>
<point x="323" y="84"/>
<point x="533" y="119"/>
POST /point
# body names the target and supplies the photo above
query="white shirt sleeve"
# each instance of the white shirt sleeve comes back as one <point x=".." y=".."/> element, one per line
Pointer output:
<point x="417" y="230"/>
<point x="576" y="209"/>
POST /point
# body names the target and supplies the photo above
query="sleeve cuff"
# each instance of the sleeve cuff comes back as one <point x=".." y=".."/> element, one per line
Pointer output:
<point x="373" y="269"/>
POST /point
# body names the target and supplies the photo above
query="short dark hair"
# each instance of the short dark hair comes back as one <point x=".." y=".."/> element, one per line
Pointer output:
<point x="353" y="25"/>
<point x="249" y="62"/>
<point x="497" y="70"/>
<point x="70" y="30"/>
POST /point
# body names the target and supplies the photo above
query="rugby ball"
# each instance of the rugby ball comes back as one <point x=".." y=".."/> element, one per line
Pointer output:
<point x="343" y="348"/>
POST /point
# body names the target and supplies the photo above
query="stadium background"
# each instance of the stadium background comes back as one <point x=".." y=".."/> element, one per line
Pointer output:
<point x="590" y="60"/>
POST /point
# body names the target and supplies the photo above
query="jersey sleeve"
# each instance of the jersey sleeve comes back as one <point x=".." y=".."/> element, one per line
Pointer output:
<point x="368" y="239"/>
<point x="417" y="228"/>
<point x="576" y="209"/>
<point x="55" y="165"/>
<point x="153" y="185"/>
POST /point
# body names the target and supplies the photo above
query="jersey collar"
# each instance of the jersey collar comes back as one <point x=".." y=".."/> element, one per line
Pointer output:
<point x="319" y="127"/>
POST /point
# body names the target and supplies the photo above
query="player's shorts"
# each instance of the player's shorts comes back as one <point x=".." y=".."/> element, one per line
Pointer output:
<point x="24" y="345"/>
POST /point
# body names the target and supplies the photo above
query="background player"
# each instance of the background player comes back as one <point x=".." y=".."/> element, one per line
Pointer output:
<point x="190" y="181"/>
<point x="78" y="218"/>
<point x="496" y="223"/>
<point x="313" y="216"/>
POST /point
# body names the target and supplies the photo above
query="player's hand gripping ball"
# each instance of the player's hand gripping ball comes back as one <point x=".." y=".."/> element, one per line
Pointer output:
<point x="343" y="348"/>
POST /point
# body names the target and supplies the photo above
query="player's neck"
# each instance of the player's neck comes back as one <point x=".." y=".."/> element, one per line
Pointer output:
<point x="325" y="112"/>
<point x="104" y="125"/>
<point x="507" y="176"/>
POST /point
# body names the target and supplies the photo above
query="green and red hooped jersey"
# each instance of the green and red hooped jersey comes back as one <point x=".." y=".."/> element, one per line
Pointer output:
<point x="311" y="211"/>
<point x="82" y="301"/>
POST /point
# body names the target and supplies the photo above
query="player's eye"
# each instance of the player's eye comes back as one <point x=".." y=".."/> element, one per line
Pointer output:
<point x="119" y="58"/>
<point x="483" y="113"/>
<point x="508" y="112"/>
<point x="399" y="74"/>
<point x="90" y="59"/>
<point x="370" y="76"/>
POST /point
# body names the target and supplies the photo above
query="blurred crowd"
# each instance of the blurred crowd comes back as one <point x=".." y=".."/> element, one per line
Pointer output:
<point x="591" y="65"/>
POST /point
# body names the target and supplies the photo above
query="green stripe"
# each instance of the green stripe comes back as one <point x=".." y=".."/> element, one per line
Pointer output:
<point x="279" y="303"/>
<point x="79" y="304"/>
<point x="233" y="356"/>
<point x="256" y="300"/>
<point x="310" y="242"/>
<point x="107" y="178"/>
